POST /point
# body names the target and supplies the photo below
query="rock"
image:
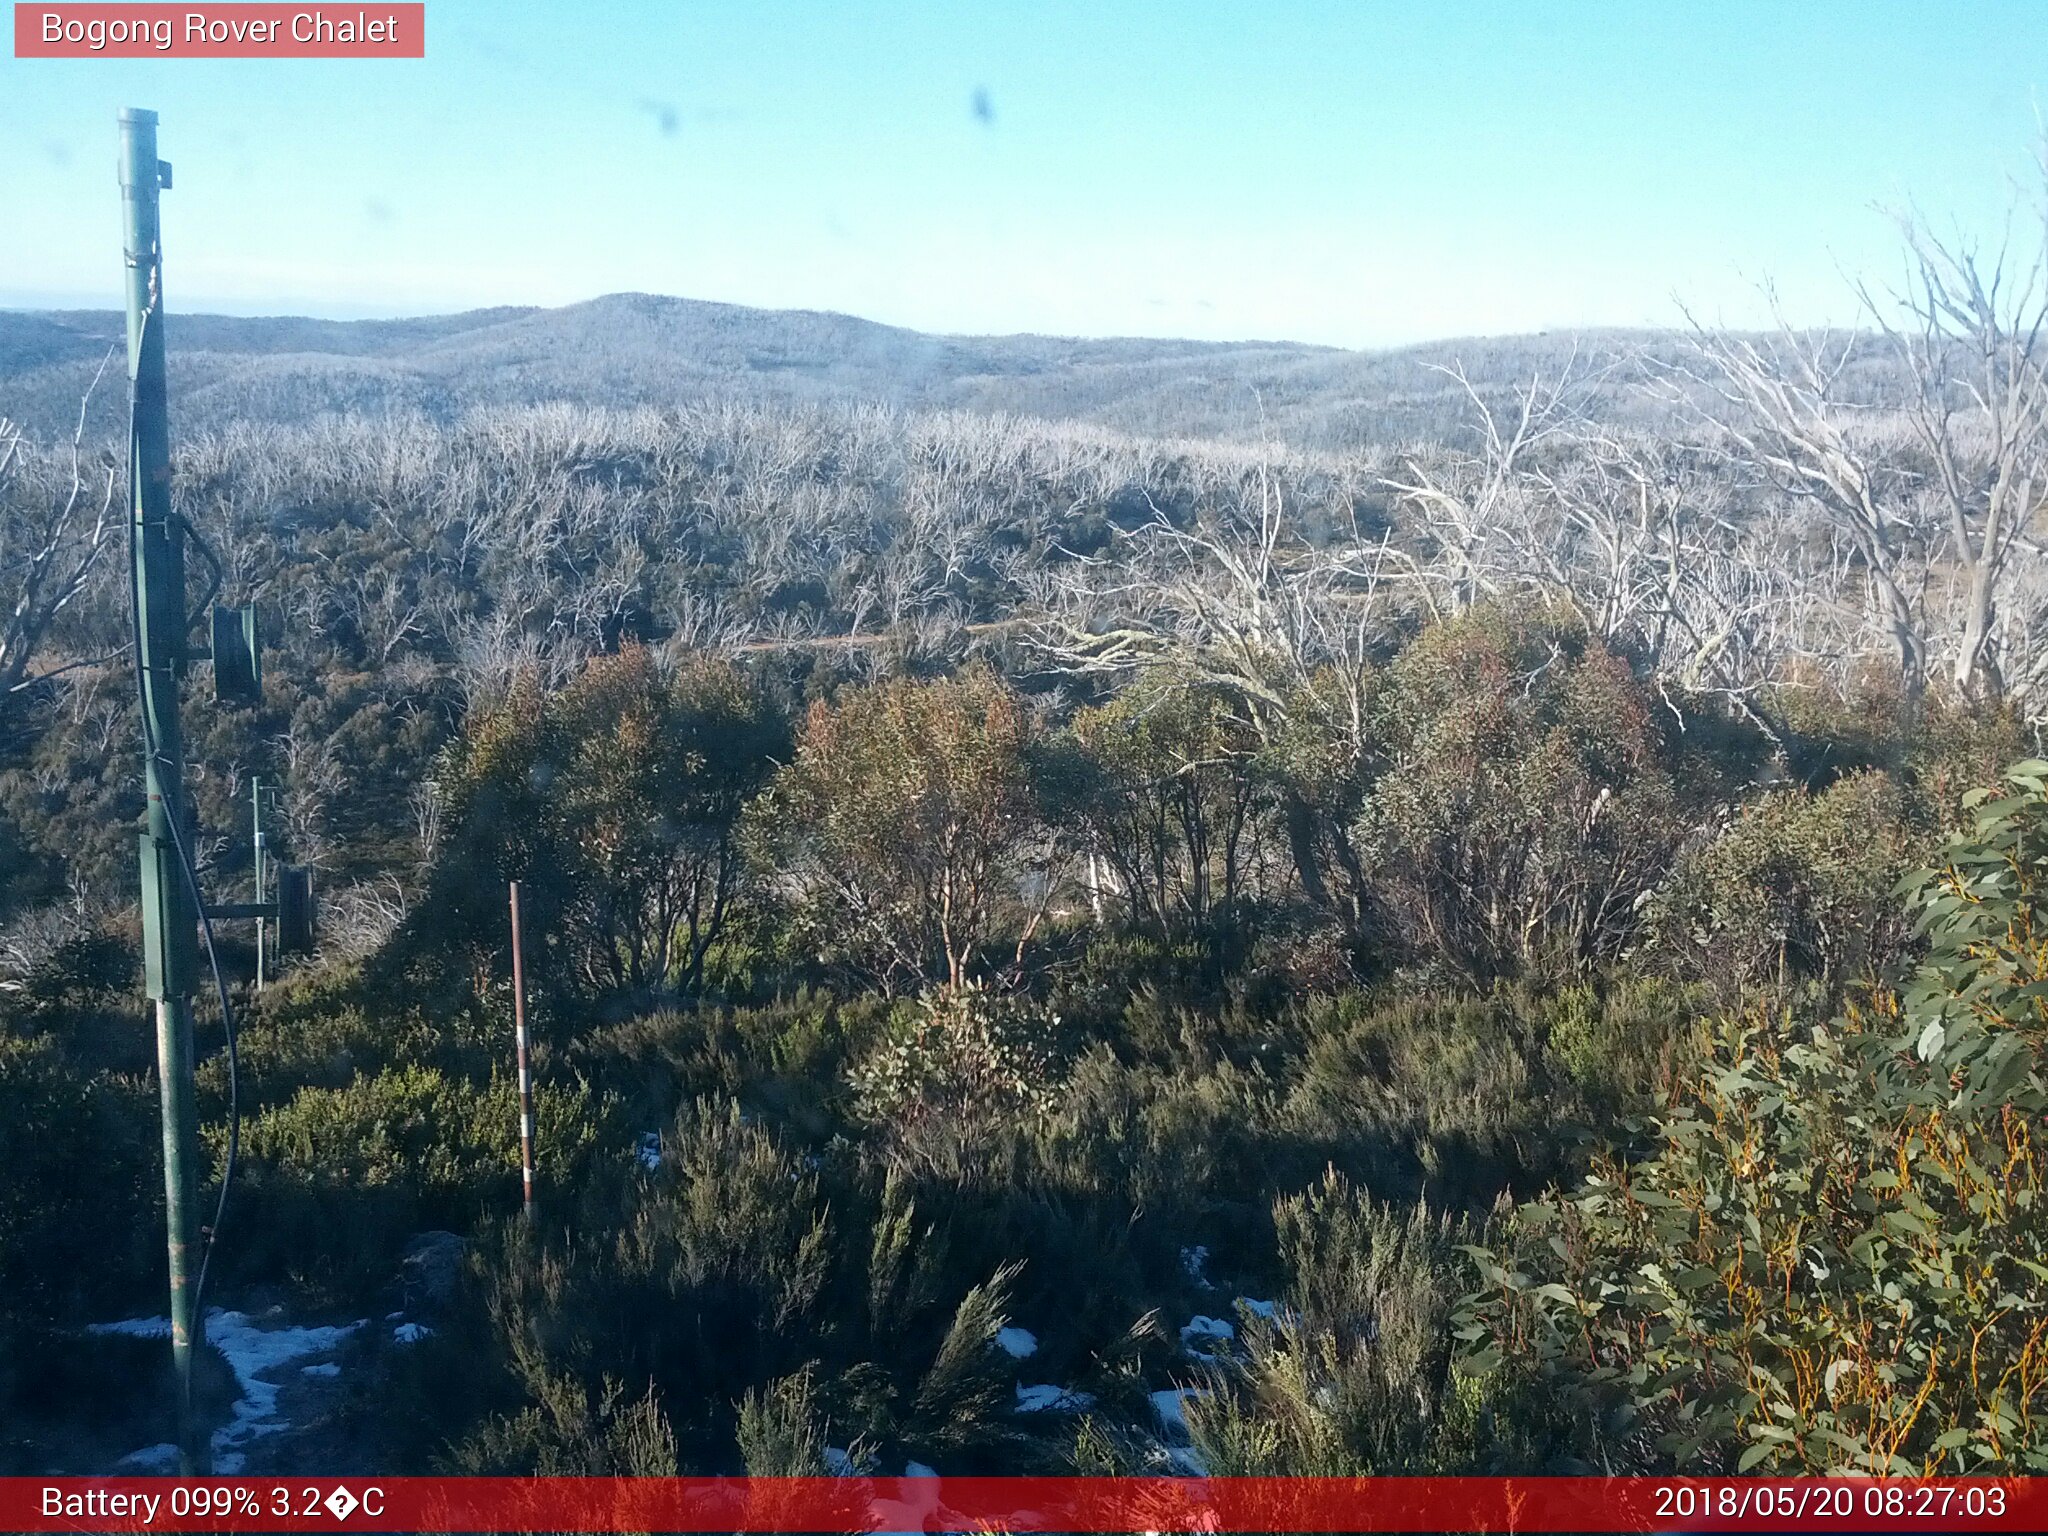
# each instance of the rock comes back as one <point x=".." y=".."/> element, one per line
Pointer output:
<point x="429" y="1269"/>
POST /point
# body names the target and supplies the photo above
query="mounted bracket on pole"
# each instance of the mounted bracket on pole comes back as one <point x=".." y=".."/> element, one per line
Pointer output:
<point x="295" y="909"/>
<point x="237" y="656"/>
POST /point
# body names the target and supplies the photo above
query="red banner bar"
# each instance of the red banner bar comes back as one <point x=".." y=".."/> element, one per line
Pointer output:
<point x="1081" y="1504"/>
<point x="374" y="30"/>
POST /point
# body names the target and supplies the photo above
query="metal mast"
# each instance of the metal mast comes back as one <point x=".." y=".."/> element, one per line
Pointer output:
<point x="169" y="914"/>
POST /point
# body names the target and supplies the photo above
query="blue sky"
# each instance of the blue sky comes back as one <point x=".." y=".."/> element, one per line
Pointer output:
<point x="1350" y="172"/>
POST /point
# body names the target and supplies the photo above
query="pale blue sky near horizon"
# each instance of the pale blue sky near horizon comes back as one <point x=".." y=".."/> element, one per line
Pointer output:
<point x="1347" y="172"/>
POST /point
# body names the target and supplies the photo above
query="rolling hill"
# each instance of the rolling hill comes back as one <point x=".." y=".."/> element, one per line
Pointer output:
<point x="631" y="349"/>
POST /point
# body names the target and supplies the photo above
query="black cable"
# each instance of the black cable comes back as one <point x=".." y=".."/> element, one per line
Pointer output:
<point x="171" y="815"/>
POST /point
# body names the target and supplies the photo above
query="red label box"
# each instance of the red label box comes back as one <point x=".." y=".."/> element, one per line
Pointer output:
<point x="1024" y="1504"/>
<point x="233" y="31"/>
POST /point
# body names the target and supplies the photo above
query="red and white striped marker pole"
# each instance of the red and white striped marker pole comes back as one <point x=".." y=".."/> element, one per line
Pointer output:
<point x="525" y="1072"/>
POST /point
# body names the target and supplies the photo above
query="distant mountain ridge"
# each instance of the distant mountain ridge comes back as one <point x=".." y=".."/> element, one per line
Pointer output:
<point x="634" y="348"/>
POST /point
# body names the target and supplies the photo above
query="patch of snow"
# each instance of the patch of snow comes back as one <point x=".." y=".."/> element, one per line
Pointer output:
<point x="648" y="1151"/>
<point x="1183" y="1461"/>
<point x="151" y="1458"/>
<point x="392" y="1317"/>
<point x="325" y="1368"/>
<point x="1170" y="1404"/>
<point x="839" y="1464"/>
<point x="1017" y="1343"/>
<point x="411" y="1333"/>
<point x="1202" y="1329"/>
<point x="919" y="1469"/>
<point x="1195" y="1260"/>
<point x="252" y="1352"/>
<point x="1265" y="1309"/>
<point x="1046" y="1398"/>
<point x="909" y="1516"/>
<point x="136" y="1327"/>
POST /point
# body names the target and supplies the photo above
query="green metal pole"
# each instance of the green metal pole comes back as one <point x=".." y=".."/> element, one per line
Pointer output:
<point x="169" y="944"/>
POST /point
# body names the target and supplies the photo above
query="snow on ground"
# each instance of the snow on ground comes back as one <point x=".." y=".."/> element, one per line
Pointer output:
<point x="1017" y="1343"/>
<point x="411" y="1333"/>
<point x="839" y="1464"/>
<point x="136" y="1327"/>
<point x="150" y="1459"/>
<point x="1047" y="1398"/>
<point x="1171" y="1406"/>
<point x="324" y="1368"/>
<point x="1206" y="1330"/>
<point x="252" y="1352"/>
<point x="1195" y="1260"/>
<point x="648" y="1150"/>
<point x="910" y="1515"/>
<point x="919" y="1469"/>
<point x="1265" y="1309"/>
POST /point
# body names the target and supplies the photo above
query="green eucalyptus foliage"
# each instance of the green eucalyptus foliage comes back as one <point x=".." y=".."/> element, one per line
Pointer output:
<point x="616" y="802"/>
<point x="1175" y="800"/>
<point x="969" y="1057"/>
<point x="1833" y="1257"/>
<point x="902" y="826"/>
<point x="1799" y="883"/>
<point x="1526" y="804"/>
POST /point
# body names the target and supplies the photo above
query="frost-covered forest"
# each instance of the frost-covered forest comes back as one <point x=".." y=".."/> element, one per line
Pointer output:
<point x="1090" y="906"/>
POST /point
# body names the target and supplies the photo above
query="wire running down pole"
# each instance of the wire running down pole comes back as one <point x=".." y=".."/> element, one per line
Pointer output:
<point x="525" y="1072"/>
<point x="169" y="915"/>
